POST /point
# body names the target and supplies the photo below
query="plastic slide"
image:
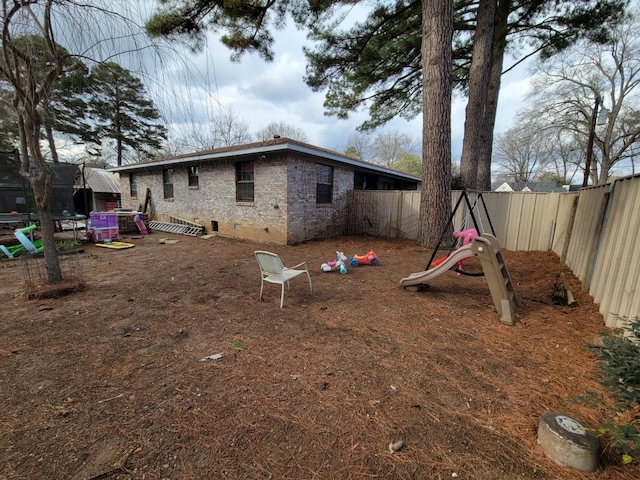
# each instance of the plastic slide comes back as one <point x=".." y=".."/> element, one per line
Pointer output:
<point x="141" y="226"/>
<point x="34" y="246"/>
<point x="11" y="251"/>
<point x="20" y="234"/>
<point x="449" y="262"/>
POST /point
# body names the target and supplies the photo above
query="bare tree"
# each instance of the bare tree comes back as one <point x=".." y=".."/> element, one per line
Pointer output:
<point x="565" y="156"/>
<point x="27" y="91"/>
<point x="57" y="22"/>
<point x="521" y="154"/>
<point x="281" y="129"/>
<point x="229" y="129"/>
<point x="385" y="148"/>
<point x="194" y="138"/>
<point x="573" y="90"/>
<point x="224" y="130"/>
<point x="389" y="147"/>
<point x="359" y="145"/>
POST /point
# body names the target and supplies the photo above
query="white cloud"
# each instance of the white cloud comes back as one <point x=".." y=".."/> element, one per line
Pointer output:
<point x="190" y="88"/>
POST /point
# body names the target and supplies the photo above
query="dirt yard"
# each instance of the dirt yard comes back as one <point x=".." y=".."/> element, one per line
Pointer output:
<point x="109" y="382"/>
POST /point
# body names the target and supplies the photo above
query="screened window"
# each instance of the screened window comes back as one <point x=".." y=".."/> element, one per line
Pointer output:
<point x="167" y="182"/>
<point x="244" y="182"/>
<point x="133" y="185"/>
<point x="324" y="184"/>
<point x="194" y="177"/>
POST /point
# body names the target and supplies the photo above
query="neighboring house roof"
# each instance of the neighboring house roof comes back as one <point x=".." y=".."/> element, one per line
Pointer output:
<point x="505" y="187"/>
<point x="529" y="187"/>
<point x="99" y="180"/>
<point x="275" y="145"/>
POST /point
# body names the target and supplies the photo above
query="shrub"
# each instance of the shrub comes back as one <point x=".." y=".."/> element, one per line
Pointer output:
<point x="619" y="362"/>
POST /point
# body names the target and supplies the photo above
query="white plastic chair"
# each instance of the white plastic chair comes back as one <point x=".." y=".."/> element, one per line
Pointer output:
<point x="273" y="271"/>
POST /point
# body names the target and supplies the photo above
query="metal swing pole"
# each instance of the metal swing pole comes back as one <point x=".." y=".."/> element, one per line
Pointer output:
<point x="453" y="213"/>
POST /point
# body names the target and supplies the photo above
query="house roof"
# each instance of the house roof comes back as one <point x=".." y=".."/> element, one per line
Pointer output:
<point x="275" y="145"/>
<point x="528" y="187"/>
<point x="100" y="181"/>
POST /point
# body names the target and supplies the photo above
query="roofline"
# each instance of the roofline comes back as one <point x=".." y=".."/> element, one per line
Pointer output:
<point x="261" y="149"/>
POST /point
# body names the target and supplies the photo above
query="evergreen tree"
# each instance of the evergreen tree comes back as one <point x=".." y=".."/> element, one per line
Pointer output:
<point x="63" y="106"/>
<point x="8" y="129"/>
<point x="376" y="63"/>
<point x="122" y="112"/>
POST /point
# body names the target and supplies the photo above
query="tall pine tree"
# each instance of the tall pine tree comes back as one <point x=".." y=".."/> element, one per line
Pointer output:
<point x="122" y="112"/>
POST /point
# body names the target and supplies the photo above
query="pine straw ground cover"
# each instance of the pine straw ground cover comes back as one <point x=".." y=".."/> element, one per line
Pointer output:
<point x="108" y="382"/>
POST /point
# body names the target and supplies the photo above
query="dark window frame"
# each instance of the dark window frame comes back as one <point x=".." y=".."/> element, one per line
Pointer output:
<point x="324" y="184"/>
<point x="245" y="182"/>
<point x="193" y="175"/>
<point x="133" y="185"/>
<point x="167" y="183"/>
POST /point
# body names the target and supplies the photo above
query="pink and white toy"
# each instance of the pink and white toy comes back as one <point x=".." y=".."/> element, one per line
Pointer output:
<point x="338" y="264"/>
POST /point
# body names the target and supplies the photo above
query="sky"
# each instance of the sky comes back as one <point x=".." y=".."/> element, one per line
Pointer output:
<point x="190" y="88"/>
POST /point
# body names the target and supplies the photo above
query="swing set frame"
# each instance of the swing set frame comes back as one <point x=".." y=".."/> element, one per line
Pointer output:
<point x="449" y="226"/>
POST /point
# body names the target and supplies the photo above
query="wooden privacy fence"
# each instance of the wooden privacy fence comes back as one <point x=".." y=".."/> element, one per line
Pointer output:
<point x="593" y="231"/>
<point x="521" y="220"/>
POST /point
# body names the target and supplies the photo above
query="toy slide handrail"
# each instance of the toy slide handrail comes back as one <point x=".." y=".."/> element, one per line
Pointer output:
<point x="503" y="293"/>
<point x="24" y="240"/>
<point x="31" y="227"/>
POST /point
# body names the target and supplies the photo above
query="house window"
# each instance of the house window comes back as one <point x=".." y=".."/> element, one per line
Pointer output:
<point x="194" y="179"/>
<point x="244" y="182"/>
<point x="324" y="184"/>
<point x="133" y="185"/>
<point x="167" y="182"/>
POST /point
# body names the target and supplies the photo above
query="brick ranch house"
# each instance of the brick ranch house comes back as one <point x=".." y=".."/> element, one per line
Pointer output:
<point x="278" y="191"/>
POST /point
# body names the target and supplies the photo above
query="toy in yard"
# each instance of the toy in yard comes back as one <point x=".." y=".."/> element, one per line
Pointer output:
<point x="32" y="246"/>
<point x="115" y="245"/>
<point x="467" y="236"/>
<point x="140" y="224"/>
<point x="338" y="264"/>
<point x="369" y="259"/>
<point x="485" y="248"/>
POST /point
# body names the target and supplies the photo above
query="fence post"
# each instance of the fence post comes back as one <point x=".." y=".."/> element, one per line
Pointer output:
<point x="603" y="216"/>
<point x="572" y="218"/>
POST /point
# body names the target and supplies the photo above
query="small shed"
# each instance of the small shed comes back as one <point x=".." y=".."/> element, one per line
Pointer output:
<point x="96" y="190"/>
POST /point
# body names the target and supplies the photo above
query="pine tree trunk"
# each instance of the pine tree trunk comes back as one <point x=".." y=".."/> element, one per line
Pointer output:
<point x="485" y="150"/>
<point x="435" y="203"/>
<point x="478" y="86"/>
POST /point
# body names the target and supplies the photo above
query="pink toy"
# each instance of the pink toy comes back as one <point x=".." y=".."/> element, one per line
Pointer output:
<point x="338" y="264"/>
<point x="468" y="236"/>
<point x="141" y="225"/>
